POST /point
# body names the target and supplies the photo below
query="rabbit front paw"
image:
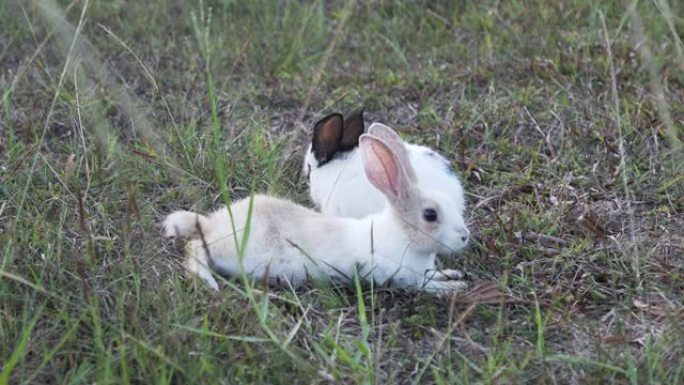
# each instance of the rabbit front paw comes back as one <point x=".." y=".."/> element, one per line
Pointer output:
<point x="444" y="275"/>
<point x="444" y="288"/>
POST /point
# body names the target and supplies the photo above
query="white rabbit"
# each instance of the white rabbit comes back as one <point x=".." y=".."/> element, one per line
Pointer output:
<point x="337" y="183"/>
<point x="288" y="242"/>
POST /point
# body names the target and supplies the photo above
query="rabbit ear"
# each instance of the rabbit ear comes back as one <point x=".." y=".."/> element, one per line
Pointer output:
<point x="383" y="169"/>
<point x="353" y="129"/>
<point x="392" y="139"/>
<point x="326" y="137"/>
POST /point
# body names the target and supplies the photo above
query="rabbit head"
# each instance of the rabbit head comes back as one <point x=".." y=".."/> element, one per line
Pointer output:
<point x="424" y="215"/>
<point x="453" y="202"/>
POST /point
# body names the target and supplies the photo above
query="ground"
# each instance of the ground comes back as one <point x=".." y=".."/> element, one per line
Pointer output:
<point x="564" y="119"/>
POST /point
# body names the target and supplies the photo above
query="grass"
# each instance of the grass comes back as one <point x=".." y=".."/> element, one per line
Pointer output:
<point x="564" y="120"/>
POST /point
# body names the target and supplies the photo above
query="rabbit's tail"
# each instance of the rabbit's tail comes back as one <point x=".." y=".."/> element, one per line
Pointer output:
<point x="184" y="224"/>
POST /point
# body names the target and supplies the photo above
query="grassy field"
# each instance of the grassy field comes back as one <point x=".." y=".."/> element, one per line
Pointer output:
<point x="565" y="120"/>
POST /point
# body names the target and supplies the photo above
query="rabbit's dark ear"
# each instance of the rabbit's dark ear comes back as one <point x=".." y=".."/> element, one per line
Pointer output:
<point x="353" y="129"/>
<point x="327" y="135"/>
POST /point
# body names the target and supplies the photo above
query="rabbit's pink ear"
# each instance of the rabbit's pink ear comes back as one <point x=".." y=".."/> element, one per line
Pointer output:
<point x="392" y="139"/>
<point x="382" y="168"/>
<point x="326" y="137"/>
<point x="353" y="129"/>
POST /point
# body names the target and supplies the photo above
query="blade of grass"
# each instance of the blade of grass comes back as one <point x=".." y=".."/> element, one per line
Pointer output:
<point x="539" y="322"/>
<point x="362" y="344"/>
<point x="19" y="350"/>
<point x="577" y="360"/>
<point x="223" y="336"/>
<point x="57" y="348"/>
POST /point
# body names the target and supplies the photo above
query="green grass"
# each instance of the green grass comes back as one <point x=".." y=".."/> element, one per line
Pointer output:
<point x="565" y="121"/>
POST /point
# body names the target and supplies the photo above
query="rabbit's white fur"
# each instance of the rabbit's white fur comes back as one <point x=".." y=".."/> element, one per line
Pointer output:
<point x="288" y="242"/>
<point x="341" y="188"/>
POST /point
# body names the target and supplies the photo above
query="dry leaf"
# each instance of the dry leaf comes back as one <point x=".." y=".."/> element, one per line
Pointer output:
<point x="616" y="340"/>
<point x="657" y="311"/>
<point x="69" y="168"/>
<point x="486" y="292"/>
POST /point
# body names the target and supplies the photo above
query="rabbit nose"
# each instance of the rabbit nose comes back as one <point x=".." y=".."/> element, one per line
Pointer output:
<point x="464" y="234"/>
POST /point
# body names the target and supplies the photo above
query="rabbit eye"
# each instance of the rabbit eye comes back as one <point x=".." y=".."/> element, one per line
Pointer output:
<point x="430" y="215"/>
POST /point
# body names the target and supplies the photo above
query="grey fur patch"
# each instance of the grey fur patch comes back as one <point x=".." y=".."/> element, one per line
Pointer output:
<point x="447" y="166"/>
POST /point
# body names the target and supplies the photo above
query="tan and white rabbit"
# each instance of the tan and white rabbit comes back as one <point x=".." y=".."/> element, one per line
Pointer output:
<point x="395" y="247"/>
